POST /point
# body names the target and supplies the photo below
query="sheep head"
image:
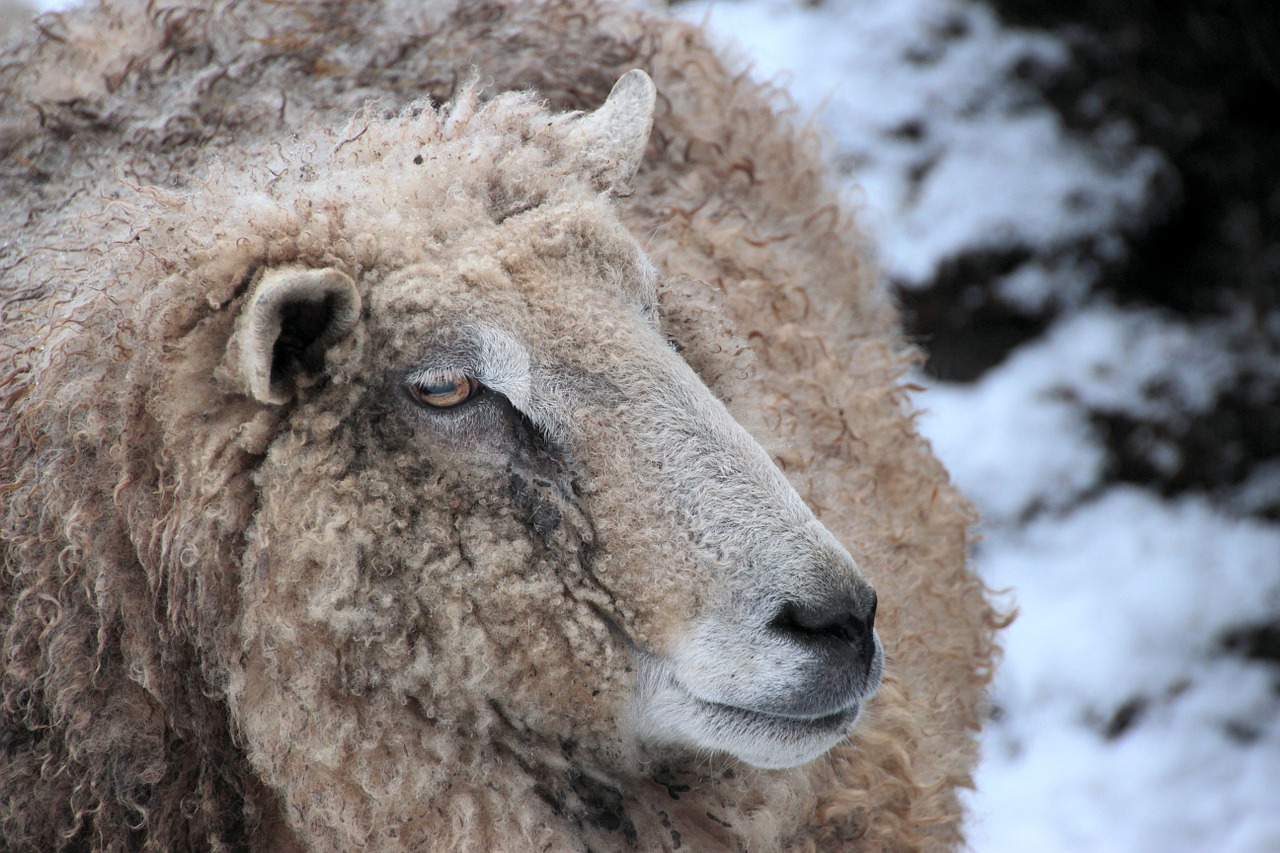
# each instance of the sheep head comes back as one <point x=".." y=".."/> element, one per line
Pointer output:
<point x="503" y="519"/>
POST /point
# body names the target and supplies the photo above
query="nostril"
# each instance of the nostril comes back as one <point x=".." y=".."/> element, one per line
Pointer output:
<point x="808" y="623"/>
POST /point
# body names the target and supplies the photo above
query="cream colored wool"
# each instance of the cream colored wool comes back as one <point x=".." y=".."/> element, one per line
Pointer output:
<point x="298" y="619"/>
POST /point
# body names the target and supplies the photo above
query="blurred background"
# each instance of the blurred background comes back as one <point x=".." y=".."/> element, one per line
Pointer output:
<point x="1077" y="205"/>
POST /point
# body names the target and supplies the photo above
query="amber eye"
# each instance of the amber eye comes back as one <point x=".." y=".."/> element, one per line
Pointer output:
<point x="445" y="390"/>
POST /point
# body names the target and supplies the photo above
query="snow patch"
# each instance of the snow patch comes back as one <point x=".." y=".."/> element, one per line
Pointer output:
<point x="1020" y="440"/>
<point x="954" y="151"/>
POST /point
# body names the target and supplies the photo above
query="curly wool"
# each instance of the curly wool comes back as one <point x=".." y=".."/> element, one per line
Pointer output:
<point x="156" y="155"/>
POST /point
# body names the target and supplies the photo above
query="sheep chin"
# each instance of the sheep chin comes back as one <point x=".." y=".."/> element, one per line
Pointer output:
<point x="665" y="713"/>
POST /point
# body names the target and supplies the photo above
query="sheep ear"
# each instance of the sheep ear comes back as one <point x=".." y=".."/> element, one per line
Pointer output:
<point x="613" y="138"/>
<point x="291" y="319"/>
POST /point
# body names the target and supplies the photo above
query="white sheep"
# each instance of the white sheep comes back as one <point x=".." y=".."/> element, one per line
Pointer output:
<point x="392" y="464"/>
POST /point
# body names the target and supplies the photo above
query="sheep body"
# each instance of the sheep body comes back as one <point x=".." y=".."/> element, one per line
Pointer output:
<point x="234" y="622"/>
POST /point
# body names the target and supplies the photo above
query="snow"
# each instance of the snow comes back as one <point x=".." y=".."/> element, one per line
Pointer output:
<point x="54" y="5"/>
<point x="1123" y="597"/>
<point x="1020" y="441"/>
<point x="924" y="100"/>
<point x="1121" y="722"/>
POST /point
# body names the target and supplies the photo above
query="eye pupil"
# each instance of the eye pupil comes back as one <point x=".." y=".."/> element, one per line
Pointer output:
<point x="441" y="389"/>
<point x="444" y="392"/>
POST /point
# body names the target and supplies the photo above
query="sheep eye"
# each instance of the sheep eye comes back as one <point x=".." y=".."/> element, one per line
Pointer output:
<point x="444" y="391"/>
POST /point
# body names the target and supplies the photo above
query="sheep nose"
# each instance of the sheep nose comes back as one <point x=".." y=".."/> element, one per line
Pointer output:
<point x="846" y="625"/>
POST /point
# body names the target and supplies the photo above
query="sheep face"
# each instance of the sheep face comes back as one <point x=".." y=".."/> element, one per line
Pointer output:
<point x="505" y="503"/>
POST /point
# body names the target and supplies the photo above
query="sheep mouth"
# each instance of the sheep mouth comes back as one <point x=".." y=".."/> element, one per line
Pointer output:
<point x="768" y="737"/>
<point x="664" y="711"/>
<point x="840" y="720"/>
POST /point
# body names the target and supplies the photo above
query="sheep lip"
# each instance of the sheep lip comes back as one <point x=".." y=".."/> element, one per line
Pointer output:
<point x="842" y="719"/>
<point x="665" y="710"/>
<point x="837" y="709"/>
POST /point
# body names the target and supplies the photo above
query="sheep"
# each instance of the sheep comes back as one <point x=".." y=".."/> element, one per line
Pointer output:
<point x="422" y="432"/>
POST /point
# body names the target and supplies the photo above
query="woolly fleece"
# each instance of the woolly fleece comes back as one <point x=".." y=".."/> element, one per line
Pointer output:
<point x="237" y="625"/>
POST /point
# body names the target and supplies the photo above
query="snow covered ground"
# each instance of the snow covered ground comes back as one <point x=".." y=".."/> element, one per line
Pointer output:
<point x="1121" y="722"/>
